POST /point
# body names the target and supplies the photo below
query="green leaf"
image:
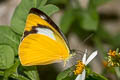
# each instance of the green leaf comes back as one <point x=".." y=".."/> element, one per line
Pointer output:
<point x="6" y="56"/>
<point x="1" y="73"/>
<point x="92" y="16"/>
<point x="65" y="74"/>
<point x="18" y="77"/>
<point x="63" y="2"/>
<point x="94" y="76"/>
<point x="96" y="3"/>
<point x="89" y="20"/>
<point x="49" y="9"/>
<point x="11" y="70"/>
<point x="38" y="3"/>
<point x="66" y="21"/>
<point x="31" y="72"/>
<point x="8" y="37"/>
<point x="43" y="2"/>
<point x="15" y="76"/>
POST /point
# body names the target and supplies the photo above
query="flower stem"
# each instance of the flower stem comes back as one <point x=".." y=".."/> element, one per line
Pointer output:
<point x="117" y="70"/>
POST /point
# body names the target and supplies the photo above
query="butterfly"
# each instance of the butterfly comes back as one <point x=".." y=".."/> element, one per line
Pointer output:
<point x="42" y="42"/>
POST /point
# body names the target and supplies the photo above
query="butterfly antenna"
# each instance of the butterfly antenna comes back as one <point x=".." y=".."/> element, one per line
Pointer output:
<point x="87" y="38"/>
<point x="80" y="51"/>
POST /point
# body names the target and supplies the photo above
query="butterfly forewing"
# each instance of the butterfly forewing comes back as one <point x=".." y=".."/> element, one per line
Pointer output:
<point x="43" y="42"/>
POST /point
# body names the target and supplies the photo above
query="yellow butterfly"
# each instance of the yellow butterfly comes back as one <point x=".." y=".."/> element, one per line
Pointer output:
<point x="43" y="42"/>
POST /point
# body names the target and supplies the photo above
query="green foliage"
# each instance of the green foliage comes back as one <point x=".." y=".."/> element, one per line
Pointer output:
<point x="97" y="3"/>
<point x="11" y="70"/>
<point x="31" y="72"/>
<point x="10" y="38"/>
<point x="41" y="2"/>
<point x="95" y="76"/>
<point x="58" y="1"/>
<point x="49" y="9"/>
<point x="89" y="20"/>
<point x="116" y="40"/>
<point x="67" y="74"/>
<point x="6" y="56"/>
<point x="66" y="20"/>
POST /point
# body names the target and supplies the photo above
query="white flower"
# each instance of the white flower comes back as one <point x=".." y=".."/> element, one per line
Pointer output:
<point x="85" y="62"/>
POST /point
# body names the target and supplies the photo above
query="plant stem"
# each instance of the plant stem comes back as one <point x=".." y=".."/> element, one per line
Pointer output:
<point x="15" y="76"/>
<point x="117" y="70"/>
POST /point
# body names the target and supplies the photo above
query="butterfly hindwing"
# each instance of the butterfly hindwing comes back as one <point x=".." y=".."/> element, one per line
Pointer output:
<point x="38" y="49"/>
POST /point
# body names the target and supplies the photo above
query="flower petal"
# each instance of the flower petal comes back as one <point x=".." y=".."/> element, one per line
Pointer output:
<point x="79" y="77"/>
<point x="83" y="74"/>
<point x="91" y="57"/>
<point x="84" y="57"/>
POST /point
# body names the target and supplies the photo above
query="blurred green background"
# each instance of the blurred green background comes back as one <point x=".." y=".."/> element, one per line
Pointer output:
<point x="87" y="24"/>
